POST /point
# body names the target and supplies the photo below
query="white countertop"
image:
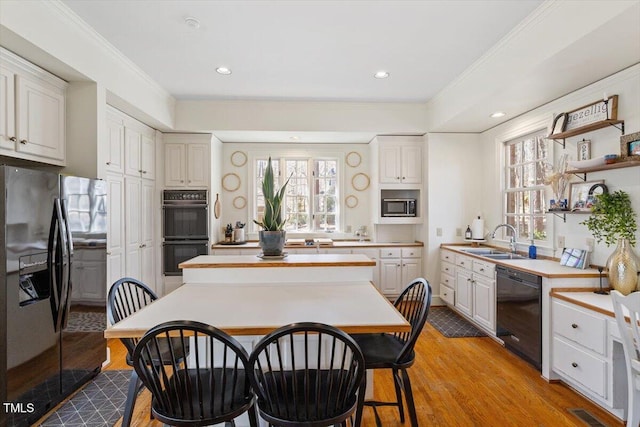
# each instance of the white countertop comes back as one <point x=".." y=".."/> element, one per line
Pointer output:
<point x="541" y="267"/>
<point x="257" y="309"/>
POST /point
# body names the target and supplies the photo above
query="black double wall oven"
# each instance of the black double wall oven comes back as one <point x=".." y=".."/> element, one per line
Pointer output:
<point x="185" y="227"/>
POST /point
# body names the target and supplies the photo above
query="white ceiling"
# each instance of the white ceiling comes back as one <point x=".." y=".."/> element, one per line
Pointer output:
<point x="328" y="51"/>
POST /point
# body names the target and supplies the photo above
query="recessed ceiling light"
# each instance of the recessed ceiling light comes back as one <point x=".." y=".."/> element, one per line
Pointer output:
<point x="498" y="114"/>
<point x="223" y="70"/>
<point x="381" y="75"/>
<point x="294" y="138"/>
<point x="192" y="22"/>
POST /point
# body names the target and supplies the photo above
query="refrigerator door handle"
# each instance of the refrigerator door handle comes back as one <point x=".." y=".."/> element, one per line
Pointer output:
<point x="65" y="303"/>
<point x="56" y="258"/>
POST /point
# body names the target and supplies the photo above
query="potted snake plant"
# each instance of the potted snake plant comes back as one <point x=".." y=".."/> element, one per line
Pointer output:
<point x="272" y="236"/>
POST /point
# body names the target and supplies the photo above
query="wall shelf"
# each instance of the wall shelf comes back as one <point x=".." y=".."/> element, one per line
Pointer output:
<point x="618" y="165"/>
<point x="588" y="128"/>
<point x="563" y="214"/>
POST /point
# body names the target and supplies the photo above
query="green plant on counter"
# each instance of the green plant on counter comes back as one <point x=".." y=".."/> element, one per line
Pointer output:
<point x="272" y="219"/>
<point x="612" y="218"/>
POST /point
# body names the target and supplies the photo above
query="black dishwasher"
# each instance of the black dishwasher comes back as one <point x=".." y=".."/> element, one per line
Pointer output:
<point x="519" y="313"/>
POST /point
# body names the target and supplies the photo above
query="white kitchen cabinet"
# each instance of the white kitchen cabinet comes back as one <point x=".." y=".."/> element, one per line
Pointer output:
<point x="398" y="267"/>
<point x="115" y="228"/>
<point x="139" y="240"/>
<point x="374" y="255"/>
<point x="400" y="162"/>
<point x="32" y="106"/>
<point x="484" y="294"/>
<point x="473" y="286"/>
<point x="187" y="162"/>
<point x="447" y="277"/>
<point x="115" y="143"/>
<point x="580" y="347"/>
<point x="139" y="151"/>
<point x="87" y="265"/>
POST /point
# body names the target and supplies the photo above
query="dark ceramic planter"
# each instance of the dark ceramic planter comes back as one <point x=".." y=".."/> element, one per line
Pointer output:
<point x="272" y="242"/>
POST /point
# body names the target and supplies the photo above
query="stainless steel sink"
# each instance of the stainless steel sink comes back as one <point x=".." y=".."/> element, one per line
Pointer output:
<point x="481" y="251"/>
<point x="503" y="255"/>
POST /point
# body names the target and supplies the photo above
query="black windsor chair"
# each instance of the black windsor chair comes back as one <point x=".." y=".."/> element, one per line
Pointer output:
<point x="210" y="386"/>
<point x="127" y="296"/>
<point x="396" y="351"/>
<point x="308" y="375"/>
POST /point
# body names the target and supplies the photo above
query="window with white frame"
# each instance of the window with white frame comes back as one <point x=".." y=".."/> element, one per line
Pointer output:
<point x="524" y="194"/>
<point x="312" y="197"/>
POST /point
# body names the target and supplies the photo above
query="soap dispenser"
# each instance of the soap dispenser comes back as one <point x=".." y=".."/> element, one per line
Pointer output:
<point x="467" y="234"/>
<point x="532" y="250"/>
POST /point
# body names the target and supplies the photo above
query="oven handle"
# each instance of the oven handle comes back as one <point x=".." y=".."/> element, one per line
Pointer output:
<point x="186" y="242"/>
<point x="185" y="206"/>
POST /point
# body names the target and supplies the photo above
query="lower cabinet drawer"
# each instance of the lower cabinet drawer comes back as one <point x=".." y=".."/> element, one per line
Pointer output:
<point x="586" y="329"/>
<point x="581" y="366"/>
<point x="446" y="268"/>
<point x="447" y="294"/>
<point x="447" y="280"/>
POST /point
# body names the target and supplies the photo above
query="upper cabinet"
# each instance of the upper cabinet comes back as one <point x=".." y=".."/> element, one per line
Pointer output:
<point x="32" y="112"/>
<point x="187" y="162"/>
<point x="115" y="142"/>
<point x="139" y="150"/>
<point x="400" y="162"/>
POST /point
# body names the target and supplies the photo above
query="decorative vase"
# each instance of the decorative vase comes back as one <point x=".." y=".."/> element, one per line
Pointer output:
<point x="622" y="267"/>
<point x="272" y="242"/>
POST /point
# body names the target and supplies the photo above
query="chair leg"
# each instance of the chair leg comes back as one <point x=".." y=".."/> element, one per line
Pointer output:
<point x="253" y="416"/>
<point x="409" y="395"/>
<point x="633" y="414"/>
<point x="396" y="383"/>
<point x="360" y="404"/>
<point x="132" y="394"/>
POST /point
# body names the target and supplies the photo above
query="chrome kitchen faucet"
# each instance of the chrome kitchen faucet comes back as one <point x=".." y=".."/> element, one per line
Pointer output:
<point x="514" y="235"/>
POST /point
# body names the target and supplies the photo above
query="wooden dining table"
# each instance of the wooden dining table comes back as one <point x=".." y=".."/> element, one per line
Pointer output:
<point x="251" y="309"/>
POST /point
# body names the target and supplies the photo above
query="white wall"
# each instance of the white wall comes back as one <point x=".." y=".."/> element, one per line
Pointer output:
<point x="626" y="84"/>
<point x="455" y="193"/>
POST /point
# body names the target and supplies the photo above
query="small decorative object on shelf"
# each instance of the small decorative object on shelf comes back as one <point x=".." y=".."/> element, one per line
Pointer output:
<point x="584" y="149"/>
<point x="630" y="146"/>
<point x="558" y="178"/>
<point x="580" y="199"/>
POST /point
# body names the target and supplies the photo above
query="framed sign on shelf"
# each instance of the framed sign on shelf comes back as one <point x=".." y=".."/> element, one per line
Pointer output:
<point x="603" y="109"/>
<point x="580" y="198"/>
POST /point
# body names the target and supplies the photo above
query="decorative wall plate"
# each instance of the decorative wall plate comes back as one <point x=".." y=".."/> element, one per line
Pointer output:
<point x="353" y="159"/>
<point x="351" y="201"/>
<point x="231" y="181"/>
<point x="238" y="158"/>
<point x="239" y="202"/>
<point x="360" y="181"/>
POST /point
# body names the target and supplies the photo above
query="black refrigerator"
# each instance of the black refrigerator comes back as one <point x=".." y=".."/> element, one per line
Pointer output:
<point x="52" y="342"/>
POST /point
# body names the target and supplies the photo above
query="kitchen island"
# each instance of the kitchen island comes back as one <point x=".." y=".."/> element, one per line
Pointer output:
<point x="294" y="268"/>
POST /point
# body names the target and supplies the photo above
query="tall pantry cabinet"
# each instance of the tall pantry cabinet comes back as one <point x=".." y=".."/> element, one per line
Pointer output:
<point x="131" y="182"/>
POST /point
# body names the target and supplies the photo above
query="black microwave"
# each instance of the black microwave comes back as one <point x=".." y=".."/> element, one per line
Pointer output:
<point x="399" y="207"/>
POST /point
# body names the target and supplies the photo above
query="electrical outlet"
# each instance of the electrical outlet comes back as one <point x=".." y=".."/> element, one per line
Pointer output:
<point x="561" y="242"/>
<point x="590" y="244"/>
<point x="459" y="232"/>
<point x="439" y="232"/>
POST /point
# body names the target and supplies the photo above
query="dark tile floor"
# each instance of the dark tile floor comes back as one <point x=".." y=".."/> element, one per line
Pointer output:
<point x="451" y="324"/>
<point x="99" y="403"/>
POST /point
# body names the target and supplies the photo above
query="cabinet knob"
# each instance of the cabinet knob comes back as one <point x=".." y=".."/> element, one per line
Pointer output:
<point x="482" y="269"/>
<point x="461" y="262"/>
<point x="397" y="177"/>
<point x="182" y="180"/>
<point x="143" y="246"/>
<point x="144" y="171"/>
<point x="108" y="163"/>
<point x="13" y="138"/>
<point x="397" y="265"/>
<point x="404" y="177"/>
<point x="574" y="326"/>
<point x="140" y="170"/>
<point x="23" y="141"/>
<point x="108" y="253"/>
<point x="574" y="364"/>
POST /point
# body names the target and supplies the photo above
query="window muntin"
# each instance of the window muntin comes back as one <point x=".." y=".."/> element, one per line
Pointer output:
<point x="312" y="197"/>
<point x="525" y="203"/>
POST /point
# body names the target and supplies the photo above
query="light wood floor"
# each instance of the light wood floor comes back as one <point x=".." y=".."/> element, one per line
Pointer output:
<point x="456" y="382"/>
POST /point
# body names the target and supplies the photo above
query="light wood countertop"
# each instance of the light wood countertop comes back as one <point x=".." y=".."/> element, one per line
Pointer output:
<point x="336" y="244"/>
<point x="293" y="260"/>
<point x="549" y="268"/>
